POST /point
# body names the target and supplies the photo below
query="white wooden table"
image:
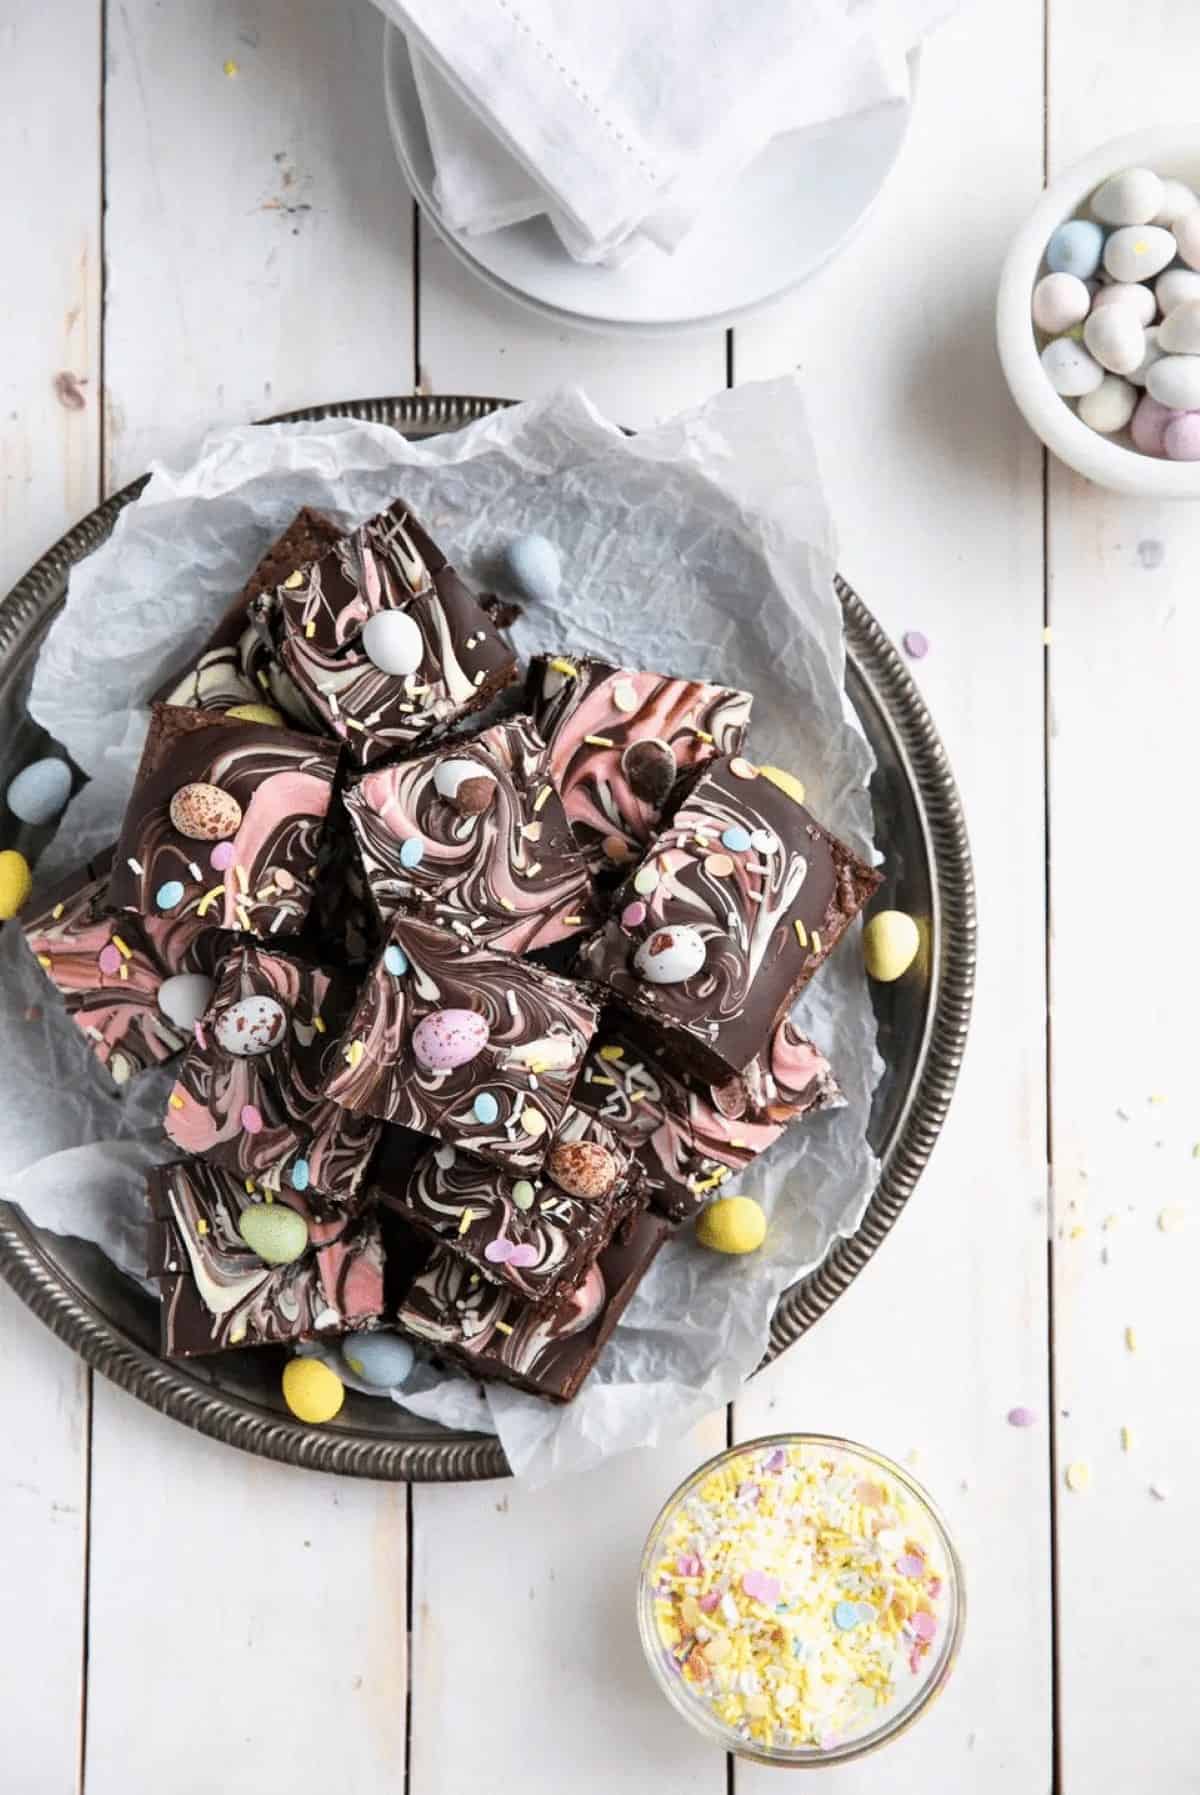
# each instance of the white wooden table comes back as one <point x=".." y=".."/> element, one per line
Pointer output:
<point x="203" y="222"/>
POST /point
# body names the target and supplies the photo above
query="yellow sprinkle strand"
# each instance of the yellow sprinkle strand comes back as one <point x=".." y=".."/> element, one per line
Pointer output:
<point x="502" y="1327"/>
<point x="354" y="1053"/>
<point x="209" y="898"/>
<point x="801" y="932"/>
<point x="468" y="1216"/>
<point x="202" y="1227"/>
<point x="45" y="961"/>
<point x="293" y="582"/>
<point x="784" y="781"/>
<point x="599" y="741"/>
<point x="1126" y="1439"/>
<point x="58" y="910"/>
<point x="318" y="1023"/>
<point x="566" y="668"/>
<point x="175" y="1100"/>
<point x="702" y="735"/>
<point x="542" y="799"/>
<point x="816" y="941"/>
<point x="125" y="951"/>
<point x="612" y="1053"/>
<point x="1131" y="1342"/>
<point x="230" y="69"/>
<point x="1078" y="1476"/>
<point x="310" y="629"/>
<point x="237" y="1335"/>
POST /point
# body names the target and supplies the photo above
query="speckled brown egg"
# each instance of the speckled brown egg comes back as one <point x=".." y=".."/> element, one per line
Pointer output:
<point x="205" y="813"/>
<point x="582" y="1168"/>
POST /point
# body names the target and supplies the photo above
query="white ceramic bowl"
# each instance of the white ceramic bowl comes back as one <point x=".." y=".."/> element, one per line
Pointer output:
<point x="1168" y="150"/>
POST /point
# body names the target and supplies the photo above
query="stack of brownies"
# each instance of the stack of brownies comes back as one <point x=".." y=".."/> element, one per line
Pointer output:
<point x="488" y="1002"/>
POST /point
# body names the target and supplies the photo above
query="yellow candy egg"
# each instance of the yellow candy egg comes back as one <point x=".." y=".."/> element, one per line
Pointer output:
<point x="891" y="941"/>
<point x="732" y="1225"/>
<point x="15" y="882"/>
<point x="256" y="713"/>
<point x="311" y="1390"/>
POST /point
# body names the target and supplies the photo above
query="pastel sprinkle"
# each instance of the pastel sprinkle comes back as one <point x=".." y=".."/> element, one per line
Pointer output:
<point x="624" y="696"/>
<point x="395" y="960"/>
<point x="923" y="1625"/>
<point x="646" y="880"/>
<point x="222" y="857"/>
<point x="412" y="852"/>
<point x="742" y="769"/>
<point x="109" y="959"/>
<point x="300" y="1174"/>
<point x="523" y="1193"/>
<point x="845" y="1616"/>
<point x="916" y="644"/>
<point x="354" y="1053"/>
<point x="761" y="1588"/>
<point x="1131" y="1341"/>
<point x="910" y="1565"/>
<point x="1021" y="1417"/>
<point x="736" y="839"/>
<point x="169" y="894"/>
<point x="718" y="866"/>
<point x="763" y="842"/>
<point x="633" y="915"/>
<point x="1126" y="1439"/>
<point x="485" y="1108"/>
<point x="251" y="1119"/>
<point x="533" y="1121"/>
<point x="1078" y="1477"/>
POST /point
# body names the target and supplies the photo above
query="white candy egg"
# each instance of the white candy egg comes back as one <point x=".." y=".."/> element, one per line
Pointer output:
<point x="670" y="955"/>
<point x="184" y="998"/>
<point x="532" y="564"/>
<point x="1176" y="287"/>
<point x="250" y="1026"/>
<point x="1070" y="369"/>
<point x="1177" y="198"/>
<point x="1059" y="301"/>
<point x="1132" y="197"/>
<point x="393" y="643"/>
<point x="1130" y="294"/>
<point x="1153" y="352"/>
<point x="1116" y="339"/>
<point x="1139" y="252"/>
<point x="1179" y="332"/>
<point x="40" y="791"/>
<point x="1187" y="236"/>
<point x="1110" y="407"/>
<point x="1175" y="382"/>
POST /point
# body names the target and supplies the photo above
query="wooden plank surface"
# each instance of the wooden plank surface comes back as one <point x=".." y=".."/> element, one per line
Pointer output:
<point x="282" y="1597"/>
<point x="1126" y="646"/>
<point x="935" y="486"/>
<point x="49" y="461"/>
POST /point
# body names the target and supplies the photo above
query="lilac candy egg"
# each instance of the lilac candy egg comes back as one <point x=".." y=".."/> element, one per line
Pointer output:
<point x="449" y="1038"/>
<point x="1150" y="420"/>
<point x="1181" y="437"/>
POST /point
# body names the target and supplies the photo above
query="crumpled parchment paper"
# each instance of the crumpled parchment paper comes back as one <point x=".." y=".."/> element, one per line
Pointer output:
<point x="703" y="547"/>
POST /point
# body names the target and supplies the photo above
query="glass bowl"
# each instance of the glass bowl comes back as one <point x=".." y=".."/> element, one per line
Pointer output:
<point x="800" y="1600"/>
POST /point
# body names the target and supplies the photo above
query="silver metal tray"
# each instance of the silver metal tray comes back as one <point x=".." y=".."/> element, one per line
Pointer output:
<point x="923" y="1025"/>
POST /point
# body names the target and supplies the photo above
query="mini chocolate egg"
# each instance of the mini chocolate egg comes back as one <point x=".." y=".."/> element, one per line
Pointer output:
<point x="651" y="768"/>
<point x="16" y="882"/>
<point x="532" y="565"/>
<point x="1075" y="248"/>
<point x="1177" y="198"/>
<point x="730" y="1099"/>
<point x="582" y="1168"/>
<point x="1059" y="301"/>
<point x="1132" y="197"/>
<point x="465" y="784"/>
<point x="1181" y="437"/>
<point x="1175" y="382"/>
<point x="184" y="998"/>
<point x="669" y="956"/>
<point x="40" y="791"/>
<point x="204" y="812"/>
<point x="312" y="1391"/>
<point x="1129" y="294"/>
<point x="1179" y="332"/>
<point x="1187" y="237"/>
<point x="1138" y="252"/>
<point x="1110" y="407"/>
<point x="274" y="1231"/>
<point x="732" y="1225"/>
<point x="891" y="942"/>
<point x="449" y="1038"/>
<point x="1069" y="368"/>
<point x="256" y="713"/>
<point x="392" y="642"/>
<point x="1176" y="287"/>
<point x="250" y="1026"/>
<point x="382" y="1360"/>
<point x="1148" y="425"/>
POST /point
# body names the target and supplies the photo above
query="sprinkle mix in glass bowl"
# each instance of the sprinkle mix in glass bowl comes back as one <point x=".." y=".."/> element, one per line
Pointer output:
<point x="800" y="1600"/>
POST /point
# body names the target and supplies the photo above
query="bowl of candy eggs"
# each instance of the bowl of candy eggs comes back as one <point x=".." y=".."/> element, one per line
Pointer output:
<point x="1098" y="315"/>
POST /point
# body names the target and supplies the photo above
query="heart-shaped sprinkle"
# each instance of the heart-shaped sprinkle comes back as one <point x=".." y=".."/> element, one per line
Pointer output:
<point x="775" y="1461"/>
<point x="924" y="1625"/>
<point x="760" y="1587"/>
<point x="525" y="1254"/>
<point x="911" y="1565"/>
<point x="499" y="1251"/>
<point x="709" y="1602"/>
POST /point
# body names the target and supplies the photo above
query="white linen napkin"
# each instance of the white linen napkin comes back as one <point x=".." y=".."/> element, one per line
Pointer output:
<point x="623" y="126"/>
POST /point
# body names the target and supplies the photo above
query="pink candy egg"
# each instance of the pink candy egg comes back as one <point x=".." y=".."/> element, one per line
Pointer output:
<point x="1181" y="437"/>
<point x="1149" y="423"/>
<point x="449" y="1038"/>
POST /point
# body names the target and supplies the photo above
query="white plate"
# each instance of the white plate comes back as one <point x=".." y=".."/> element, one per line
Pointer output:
<point x="792" y="209"/>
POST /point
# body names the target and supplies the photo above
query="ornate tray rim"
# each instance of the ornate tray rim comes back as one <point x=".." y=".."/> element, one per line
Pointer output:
<point x="56" y="1300"/>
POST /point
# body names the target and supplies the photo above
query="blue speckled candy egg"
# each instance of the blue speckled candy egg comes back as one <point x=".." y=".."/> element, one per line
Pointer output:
<point x="40" y="791"/>
<point x="449" y="1038"/>
<point x="383" y="1360"/>
<point x="1075" y="248"/>
<point x="532" y="564"/>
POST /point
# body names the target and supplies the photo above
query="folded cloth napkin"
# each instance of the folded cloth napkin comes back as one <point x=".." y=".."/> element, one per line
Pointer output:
<point x="622" y="127"/>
